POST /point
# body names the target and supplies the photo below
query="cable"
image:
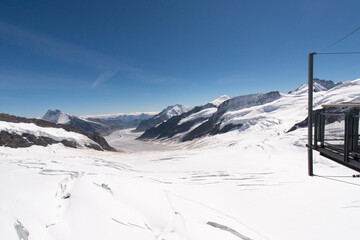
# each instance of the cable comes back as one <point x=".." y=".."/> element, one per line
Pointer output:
<point x="329" y="53"/>
<point x="337" y="180"/>
<point x="336" y="42"/>
<point x="345" y="176"/>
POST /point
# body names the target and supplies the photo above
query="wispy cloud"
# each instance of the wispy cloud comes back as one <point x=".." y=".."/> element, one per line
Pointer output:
<point x="105" y="76"/>
<point x="74" y="54"/>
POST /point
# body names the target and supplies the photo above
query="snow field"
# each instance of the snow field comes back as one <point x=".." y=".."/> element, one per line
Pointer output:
<point x="250" y="183"/>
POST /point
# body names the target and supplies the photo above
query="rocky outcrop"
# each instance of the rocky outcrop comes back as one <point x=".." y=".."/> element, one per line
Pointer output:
<point x="14" y="140"/>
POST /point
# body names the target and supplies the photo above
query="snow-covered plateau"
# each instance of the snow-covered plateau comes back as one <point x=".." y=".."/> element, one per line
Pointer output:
<point x="248" y="183"/>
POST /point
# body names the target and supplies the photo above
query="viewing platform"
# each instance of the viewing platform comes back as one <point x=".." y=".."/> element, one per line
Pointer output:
<point x="336" y="133"/>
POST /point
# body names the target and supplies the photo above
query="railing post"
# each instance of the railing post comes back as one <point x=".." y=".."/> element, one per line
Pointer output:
<point x="310" y="113"/>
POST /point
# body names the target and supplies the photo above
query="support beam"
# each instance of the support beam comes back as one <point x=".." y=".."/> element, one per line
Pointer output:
<point x="310" y="113"/>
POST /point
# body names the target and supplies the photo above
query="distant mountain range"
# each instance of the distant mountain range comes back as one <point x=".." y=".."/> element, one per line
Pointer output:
<point x="179" y="123"/>
<point x="96" y="125"/>
<point x="105" y="124"/>
<point x="246" y="111"/>
<point x="208" y="119"/>
<point x="125" y="117"/>
<point x="319" y="85"/>
<point x="184" y="123"/>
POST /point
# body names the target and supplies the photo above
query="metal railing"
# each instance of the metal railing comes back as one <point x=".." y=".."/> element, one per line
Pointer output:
<point x="336" y="135"/>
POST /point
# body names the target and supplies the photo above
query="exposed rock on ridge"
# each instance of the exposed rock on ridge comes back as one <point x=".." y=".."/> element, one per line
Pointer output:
<point x="202" y="125"/>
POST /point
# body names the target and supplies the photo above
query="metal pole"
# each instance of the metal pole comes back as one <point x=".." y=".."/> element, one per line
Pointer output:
<point x="310" y="114"/>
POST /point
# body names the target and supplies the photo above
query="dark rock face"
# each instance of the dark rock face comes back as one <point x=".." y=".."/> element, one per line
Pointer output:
<point x="13" y="140"/>
<point x="68" y="143"/>
<point x="42" y="141"/>
<point x="42" y="123"/>
<point x="93" y="146"/>
<point x="326" y="84"/>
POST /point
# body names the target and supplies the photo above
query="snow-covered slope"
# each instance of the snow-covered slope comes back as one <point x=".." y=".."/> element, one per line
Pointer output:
<point x="56" y="116"/>
<point x="209" y="119"/>
<point x="259" y="111"/>
<point x="164" y="115"/>
<point x="183" y="123"/>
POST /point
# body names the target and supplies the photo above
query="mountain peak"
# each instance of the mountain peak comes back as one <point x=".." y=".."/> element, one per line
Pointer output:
<point x="56" y="116"/>
<point x="319" y="85"/>
<point x="173" y="110"/>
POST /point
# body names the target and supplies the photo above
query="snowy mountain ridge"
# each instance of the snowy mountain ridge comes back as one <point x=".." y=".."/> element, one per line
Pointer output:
<point x="24" y="132"/>
<point x="253" y="111"/>
<point x="164" y="115"/>
<point x="171" y="111"/>
<point x="207" y="119"/>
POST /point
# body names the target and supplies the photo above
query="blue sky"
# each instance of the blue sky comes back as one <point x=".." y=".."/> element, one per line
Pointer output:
<point x="93" y="57"/>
